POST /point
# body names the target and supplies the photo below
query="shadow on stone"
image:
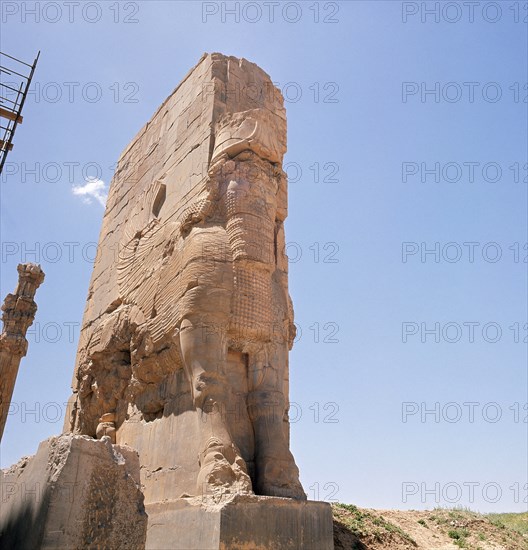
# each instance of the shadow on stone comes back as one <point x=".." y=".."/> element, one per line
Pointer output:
<point x="24" y="528"/>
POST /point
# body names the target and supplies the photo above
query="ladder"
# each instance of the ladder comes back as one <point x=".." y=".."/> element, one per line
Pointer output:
<point x="12" y="99"/>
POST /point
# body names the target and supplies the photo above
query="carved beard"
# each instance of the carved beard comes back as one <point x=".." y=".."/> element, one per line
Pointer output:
<point x="251" y="231"/>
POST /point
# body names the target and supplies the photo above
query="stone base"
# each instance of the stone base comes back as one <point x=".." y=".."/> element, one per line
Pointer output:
<point x="76" y="492"/>
<point x="244" y="522"/>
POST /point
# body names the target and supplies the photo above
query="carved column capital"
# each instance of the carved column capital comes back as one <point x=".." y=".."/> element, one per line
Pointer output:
<point x="18" y="310"/>
<point x="15" y="344"/>
<point x="30" y="277"/>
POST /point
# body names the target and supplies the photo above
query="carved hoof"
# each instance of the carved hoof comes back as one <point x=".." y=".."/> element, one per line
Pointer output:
<point x="295" y="492"/>
<point x="280" y="478"/>
<point x="222" y="471"/>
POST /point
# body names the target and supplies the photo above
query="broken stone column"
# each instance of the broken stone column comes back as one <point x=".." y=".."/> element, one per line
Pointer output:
<point x="76" y="492"/>
<point x="18" y="314"/>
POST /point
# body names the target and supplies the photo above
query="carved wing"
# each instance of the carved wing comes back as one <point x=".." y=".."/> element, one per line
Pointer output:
<point x="141" y="252"/>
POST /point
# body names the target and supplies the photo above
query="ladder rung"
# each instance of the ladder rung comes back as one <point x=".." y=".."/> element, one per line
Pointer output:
<point x="10" y="115"/>
<point x="9" y="146"/>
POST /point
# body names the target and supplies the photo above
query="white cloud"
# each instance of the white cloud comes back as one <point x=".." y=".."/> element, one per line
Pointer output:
<point x="93" y="189"/>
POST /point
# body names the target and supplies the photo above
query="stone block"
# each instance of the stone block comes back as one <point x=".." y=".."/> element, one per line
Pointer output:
<point x="76" y="492"/>
<point x="243" y="522"/>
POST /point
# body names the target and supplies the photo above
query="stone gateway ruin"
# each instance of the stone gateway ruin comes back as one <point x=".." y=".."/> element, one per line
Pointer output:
<point x="182" y="363"/>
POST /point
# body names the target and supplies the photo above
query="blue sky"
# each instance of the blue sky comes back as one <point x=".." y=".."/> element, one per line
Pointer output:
<point x="380" y="96"/>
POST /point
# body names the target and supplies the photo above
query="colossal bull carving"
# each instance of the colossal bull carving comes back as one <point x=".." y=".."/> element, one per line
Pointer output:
<point x="202" y="290"/>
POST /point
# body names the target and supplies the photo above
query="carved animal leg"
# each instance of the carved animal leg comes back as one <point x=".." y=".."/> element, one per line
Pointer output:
<point x="222" y="470"/>
<point x="276" y="471"/>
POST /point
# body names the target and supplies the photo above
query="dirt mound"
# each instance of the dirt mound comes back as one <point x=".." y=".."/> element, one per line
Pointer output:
<point x="442" y="529"/>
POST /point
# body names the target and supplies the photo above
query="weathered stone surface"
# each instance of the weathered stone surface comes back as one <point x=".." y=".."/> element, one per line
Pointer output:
<point x="240" y="523"/>
<point x="183" y="352"/>
<point x="76" y="492"/>
<point x="18" y="313"/>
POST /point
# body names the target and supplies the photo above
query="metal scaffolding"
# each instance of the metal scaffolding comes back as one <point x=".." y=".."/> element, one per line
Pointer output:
<point x="11" y="107"/>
